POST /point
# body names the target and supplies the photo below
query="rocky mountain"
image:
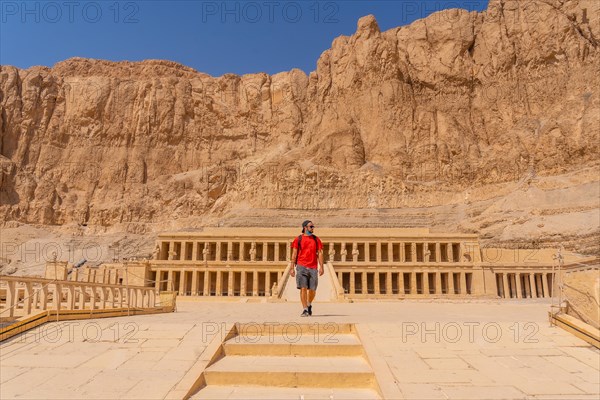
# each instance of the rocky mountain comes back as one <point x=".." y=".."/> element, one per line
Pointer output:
<point x="462" y="121"/>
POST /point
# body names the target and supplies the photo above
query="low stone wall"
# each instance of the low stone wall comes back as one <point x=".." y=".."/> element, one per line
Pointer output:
<point x="582" y="291"/>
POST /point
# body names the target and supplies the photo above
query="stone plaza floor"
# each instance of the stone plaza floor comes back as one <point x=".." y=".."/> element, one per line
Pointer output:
<point x="418" y="350"/>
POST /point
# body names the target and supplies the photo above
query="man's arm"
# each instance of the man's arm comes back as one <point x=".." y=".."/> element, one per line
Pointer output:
<point x="293" y="262"/>
<point x="321" y="268"/>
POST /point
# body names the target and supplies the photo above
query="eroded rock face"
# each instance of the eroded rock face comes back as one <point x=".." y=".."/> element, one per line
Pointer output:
<point x="446" y="111"/>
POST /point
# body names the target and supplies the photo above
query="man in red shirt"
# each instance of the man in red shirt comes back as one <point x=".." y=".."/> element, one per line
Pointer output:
<point x="307" y="257"/>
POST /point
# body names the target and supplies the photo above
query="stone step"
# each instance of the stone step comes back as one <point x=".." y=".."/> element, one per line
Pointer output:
<point x="305" y="345"/>
<point x="272" y="393"/>
<point x="288" y="371"/>
<point x="291" y="329"/>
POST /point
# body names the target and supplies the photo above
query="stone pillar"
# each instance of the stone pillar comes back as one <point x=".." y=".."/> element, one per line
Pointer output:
<point x="450" y="252"/>
<point x="354" y="253"/>
<point x="367" y="252"/>
<point x="426" y="283"/>
<point x="92" y="297"/>
<point x="378" y="251"/>
<point x="451" y="283"/>
<point x="505" y="286"/>
<point x="75" y="274"/>
<point x="28" y="297"/>
<point x="82" y="297"/>
<point x="438" y="252"/>
<point x="388" y="283"/>
<point x="219" y="283"/>
<point x="218" y="252"/>
<point x="413" y="251"/>
<point x="230" y="283"/>
<point x="265" y="252"/>
<point x="365" y="289"/>
<point x="182" y="285"/>
<point x="288" y="252"/>
<point x="532" y="286"/>
<point x="390" y="252"/>
<point x="276" y="244"/>
<point x="401" y="283"/>
<point x="255" y="280"/>
<point x="70" y="298"/>
<point x="157" y="280"/>
<point x="206" y="291"/>
<point x="413" y="283"/>
<point x="11" y="297"/>
<point x="170" y="286"/>
<point x="518" y="281"/>
<point x="352" y="282"/>
<point x="57" y="296"/>
<point x="376" y="287"/>
<point x="545" y="285"/>
<point x="195" y="251"/>
<point x="243" y="284"/>
<point x="268" y="280"/>
<point x="402" y="252"/>
<point x="438" y="282"/>
<point x="463" y="283"/>
<point x="195" y="282"/>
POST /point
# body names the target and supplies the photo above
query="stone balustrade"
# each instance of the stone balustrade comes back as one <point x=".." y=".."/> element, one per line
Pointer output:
<point x="25" y="295"/>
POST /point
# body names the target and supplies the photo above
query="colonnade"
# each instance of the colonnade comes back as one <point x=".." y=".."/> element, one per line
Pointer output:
<point x="336" y="251"/>
<point x="523" y="285"/>
<point x="218" y="281"/>
<point x="393" y="282"/>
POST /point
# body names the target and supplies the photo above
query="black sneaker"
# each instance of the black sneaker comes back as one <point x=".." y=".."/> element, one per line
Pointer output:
<point x="310" y="310"/>
<point x="304" y="313"/>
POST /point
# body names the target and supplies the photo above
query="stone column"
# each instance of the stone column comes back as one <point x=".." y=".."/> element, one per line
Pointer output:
<point x="75" y="274"/>
<point x="243" y="283"/>
<point x="11" y="297"/>
<point x="268" y="281"/>
<point x="255" y="280"/>
<point x="376" y="287"/>
<point x="206" y="290"/>
<point x="438" y="252"/>
<point x="532" y="285"/>
<point x="367" y="252"/>
<point x="413" y="283"/>
<point x="438" y="283"/>
<point x="451" y="283"/>
<point x="288" y="252"/>
<point x="195" y="282"/>
<point x="388" y="283"/>
<point x="354" y="256"/>
<point x="505" y="286"/>
<point x="401" y="283"/>
<point x="413" y="251"/>
<point x="218" y="251"/>
<point x="195" y="251"/>
<point x="182" y="283"/>
<point x="70" y="297"/>
<point x="352" y="282"/>
<point x="82" y="297"/>
<point x="365" y="289"/>
<point x="450" y="252"/>
<point x="426" y="283"/>
<point x="170" y="286"/>
<point x="57" y="296"/>
<point x="219" y="283"/>
<point x="265" y="252"/>
<point x="92" y="297"/>
<point x="545" y="285"/>
<point x="378" y="251"/>
<point x="276" y="244"/>
<point x="518" y="281"/>
<point x="157" y="280"/>
<point x="390" y="252"/>
<point x="402" y="252"/>
<point x="230" y="283"/>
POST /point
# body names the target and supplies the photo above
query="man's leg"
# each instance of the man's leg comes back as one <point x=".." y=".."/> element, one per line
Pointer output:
<point x="311" y="296"/>
<point x="304" y="297"/>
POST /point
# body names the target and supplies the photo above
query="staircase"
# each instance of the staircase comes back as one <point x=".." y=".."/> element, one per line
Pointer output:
<point x="290" y="361"/>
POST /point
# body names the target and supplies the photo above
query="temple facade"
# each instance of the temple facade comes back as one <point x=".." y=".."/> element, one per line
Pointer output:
<point x="365" y="263"/>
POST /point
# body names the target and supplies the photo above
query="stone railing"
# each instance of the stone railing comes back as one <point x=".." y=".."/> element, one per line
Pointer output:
<point x="20" y="296"/>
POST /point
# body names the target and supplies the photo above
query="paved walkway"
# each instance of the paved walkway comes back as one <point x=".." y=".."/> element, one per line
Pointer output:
<point x="422" y="350"/>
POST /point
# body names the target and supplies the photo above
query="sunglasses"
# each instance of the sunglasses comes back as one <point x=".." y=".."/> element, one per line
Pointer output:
<point x="311" y="227"/>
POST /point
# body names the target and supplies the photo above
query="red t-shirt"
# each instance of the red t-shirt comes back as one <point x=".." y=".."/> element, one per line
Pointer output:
<point x="308" y="252"/>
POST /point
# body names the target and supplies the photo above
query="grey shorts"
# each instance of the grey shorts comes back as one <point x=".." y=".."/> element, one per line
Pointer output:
<point x="307" y="277"/>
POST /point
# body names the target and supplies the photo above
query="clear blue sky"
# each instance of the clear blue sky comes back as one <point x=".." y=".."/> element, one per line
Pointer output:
<point x="214" y="37"/>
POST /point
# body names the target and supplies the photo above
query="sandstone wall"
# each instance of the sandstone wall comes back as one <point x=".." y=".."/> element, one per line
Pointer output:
<point x="453" y="110"/>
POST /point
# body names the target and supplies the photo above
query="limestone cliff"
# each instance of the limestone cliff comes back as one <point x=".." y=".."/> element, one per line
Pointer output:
<point x="491" y="117"/>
